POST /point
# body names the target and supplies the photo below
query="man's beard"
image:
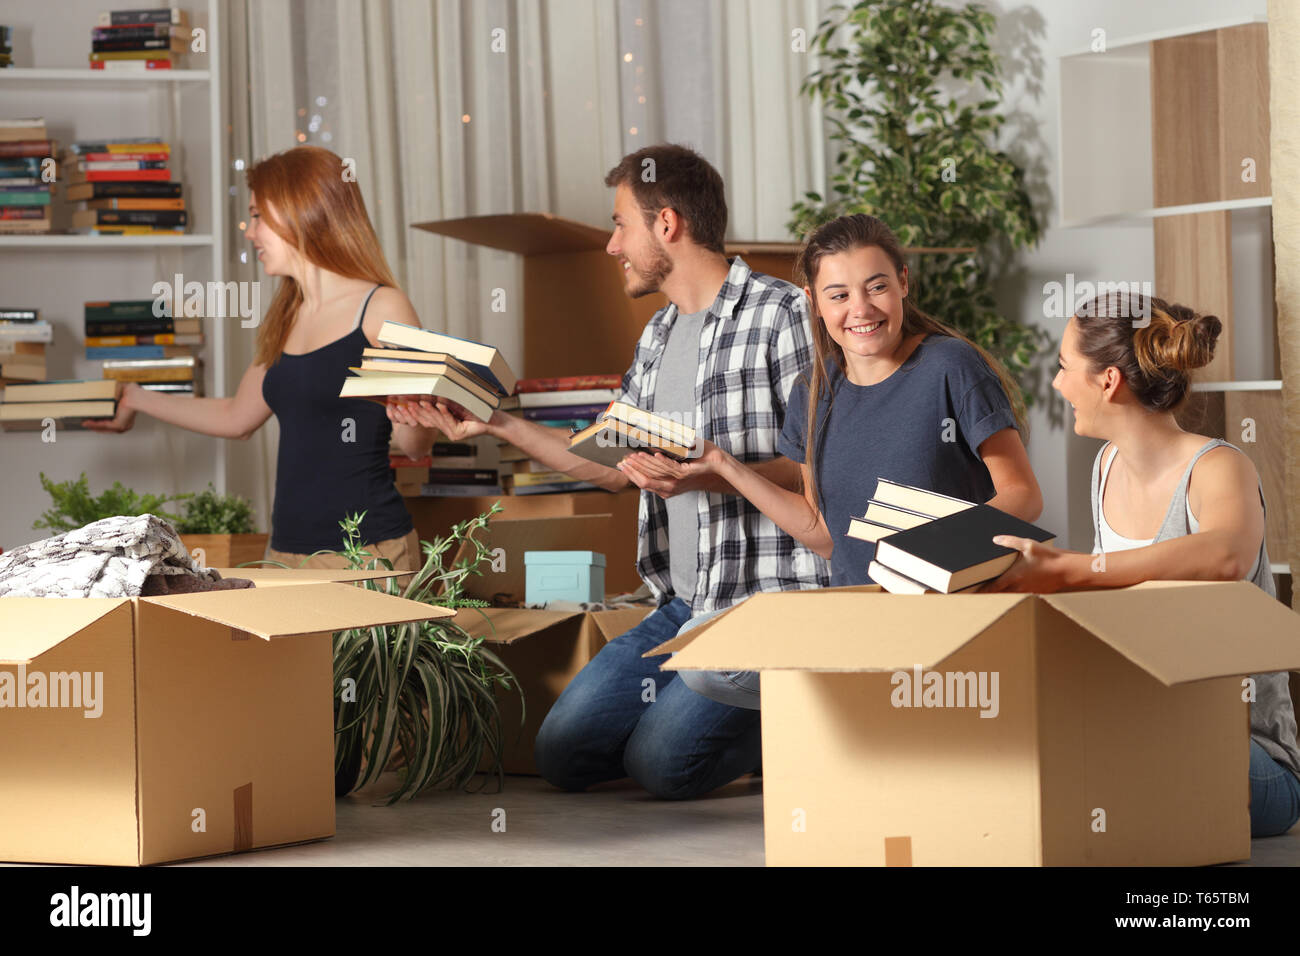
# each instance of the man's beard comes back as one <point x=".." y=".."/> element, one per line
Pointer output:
<point x="651" y="278"/>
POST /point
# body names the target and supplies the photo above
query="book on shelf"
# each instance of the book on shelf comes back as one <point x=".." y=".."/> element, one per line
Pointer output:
<point x="182" y="369"/>
<point x="600" y="397"/>
<point x="139" y="191"/>
<point x="99" y="341"/>
<point x="586" y="412"/>
<point x="569" y="383"/>
<point x="37" y="331"/>
<point x="956" y="550"/>
<point x="19" y="315"/>
<point x="623" y="429"/>
<point x="26" y="169"/>
<point x="6" y="47"/>
<point x="482" y="360"/>
<point x="458" y="491"/>
<point x="118" y="352"/>
<point x="128" y="66"/>
<point x="145" y="327"/>
<point x="173" y="16"/>
<point x="528" y="478"/>
<point x="555" y="487"/>
<point x="378" y="386"/>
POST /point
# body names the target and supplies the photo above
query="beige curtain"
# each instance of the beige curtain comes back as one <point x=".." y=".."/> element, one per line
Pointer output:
<point x="467" y="107"/>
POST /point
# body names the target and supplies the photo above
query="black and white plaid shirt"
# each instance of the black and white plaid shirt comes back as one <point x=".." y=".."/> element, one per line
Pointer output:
<point x="753" y="345"/>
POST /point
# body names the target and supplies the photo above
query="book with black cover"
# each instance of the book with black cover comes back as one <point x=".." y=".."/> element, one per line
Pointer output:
<point x="956" y="551"/>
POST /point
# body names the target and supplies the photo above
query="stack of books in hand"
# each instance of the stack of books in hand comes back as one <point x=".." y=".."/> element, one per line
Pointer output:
<point x="926" y="541"/>
<point x="125" y="188"/>
<point x="26" y="152"/>
<point x="419" y="362"/>
<point x="572" y="403"/>
<point x="26" y="407"/>
<point x="23" y="337"/>
<point x="622" y="429"/>
<point x="147" y="39"/>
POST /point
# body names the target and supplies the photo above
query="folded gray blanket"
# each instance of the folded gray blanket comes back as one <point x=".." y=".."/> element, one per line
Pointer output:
<point x="122" y="556"/>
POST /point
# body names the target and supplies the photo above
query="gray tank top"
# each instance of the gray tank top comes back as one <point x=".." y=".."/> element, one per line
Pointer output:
<point x="1272" y="718"/>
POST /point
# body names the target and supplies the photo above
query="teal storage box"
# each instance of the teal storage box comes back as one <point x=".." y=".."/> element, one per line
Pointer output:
<point x="564" y="576"/>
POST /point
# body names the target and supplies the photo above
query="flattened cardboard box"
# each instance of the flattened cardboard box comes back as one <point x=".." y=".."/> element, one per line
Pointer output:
<point x="205" y="723"/>
<point x="545" y="650"/>
<point x="1118" y="733"/>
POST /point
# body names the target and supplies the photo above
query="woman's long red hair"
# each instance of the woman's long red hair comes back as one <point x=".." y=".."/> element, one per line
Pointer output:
<point x="303" y="197"/>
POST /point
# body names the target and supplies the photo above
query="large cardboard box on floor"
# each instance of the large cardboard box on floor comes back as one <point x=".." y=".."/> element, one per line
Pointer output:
<point x="545" y="650"/>
<point x="1099" y="727"/>
<point x="149" y="729"/>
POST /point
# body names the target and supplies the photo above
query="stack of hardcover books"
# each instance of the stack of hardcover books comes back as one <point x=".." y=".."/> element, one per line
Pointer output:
<point x="139" y="341"/>
<point x="125" y="188"/>
<point x="148" y="39"/>
<point x="926" y="541"/>
<point x="26" y="407"/>
<point x="572" y="402"/>
<point x="26" y="154"/>
<point x="415" y="361"/>
<point x="6" y="47"/>
<point x="23" y="337"/>
<point x="449" y="464"/>
<point x="622" y="429"/>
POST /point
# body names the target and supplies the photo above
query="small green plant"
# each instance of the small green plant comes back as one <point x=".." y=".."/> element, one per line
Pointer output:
<point x="425" y="690"/>
<point x="74" y="507"/>
<point x="211" y="513"/>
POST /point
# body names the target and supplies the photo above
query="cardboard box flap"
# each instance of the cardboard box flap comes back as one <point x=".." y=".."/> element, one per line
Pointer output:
<point x="527" y="233"/>
<point x="828" y="631"/>
<point x="304" y="609"/>
<point x="32" y="625"/>
<point x="267" y="577"/>
<point x="505" y="625"/>
<point x="1186" y="631"/>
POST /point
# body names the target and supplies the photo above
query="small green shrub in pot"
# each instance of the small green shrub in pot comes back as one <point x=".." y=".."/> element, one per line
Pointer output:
<point x="74" y="507"/>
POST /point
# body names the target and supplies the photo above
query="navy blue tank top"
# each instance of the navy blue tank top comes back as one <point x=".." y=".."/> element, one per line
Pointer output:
<point x="333" y="458"/>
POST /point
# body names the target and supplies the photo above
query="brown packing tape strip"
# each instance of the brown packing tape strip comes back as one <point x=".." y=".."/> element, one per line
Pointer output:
<point x="243" y="818"/>
<point x="898" y="851"/>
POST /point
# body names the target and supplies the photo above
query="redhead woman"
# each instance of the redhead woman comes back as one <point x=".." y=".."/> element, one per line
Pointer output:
<point x="310" y="229"/>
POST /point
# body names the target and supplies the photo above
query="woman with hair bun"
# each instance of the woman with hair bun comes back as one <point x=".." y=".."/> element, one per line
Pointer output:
<point x="309" y="226"/>
<point x="1166" y="503"/>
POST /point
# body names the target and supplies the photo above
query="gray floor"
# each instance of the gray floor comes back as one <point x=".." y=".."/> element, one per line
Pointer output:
<point x="615" y="824"/>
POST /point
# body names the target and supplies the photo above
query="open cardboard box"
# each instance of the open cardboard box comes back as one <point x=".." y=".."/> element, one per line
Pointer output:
<point x="211" y="728"/>
<point x="1118" y="733"/>
<point x="543" y="649"/>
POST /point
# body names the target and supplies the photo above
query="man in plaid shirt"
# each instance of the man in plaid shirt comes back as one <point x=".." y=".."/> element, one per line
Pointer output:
<point x="721" y="357"/>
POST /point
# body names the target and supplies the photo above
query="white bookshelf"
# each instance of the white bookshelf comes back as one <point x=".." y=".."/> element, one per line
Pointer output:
<point x="58" y="273"/>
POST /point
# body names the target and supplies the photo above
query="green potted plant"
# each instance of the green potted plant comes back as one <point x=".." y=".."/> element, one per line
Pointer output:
<point x="75" y="507"/>
<point x="911" y="89"/>
<point x="419" y="697"/>
<point x="217" y="529"/>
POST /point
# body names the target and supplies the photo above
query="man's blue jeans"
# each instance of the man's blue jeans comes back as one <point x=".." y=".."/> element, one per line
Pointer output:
<point x="624" y="717"/>
<point x="1274" y="795"/>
